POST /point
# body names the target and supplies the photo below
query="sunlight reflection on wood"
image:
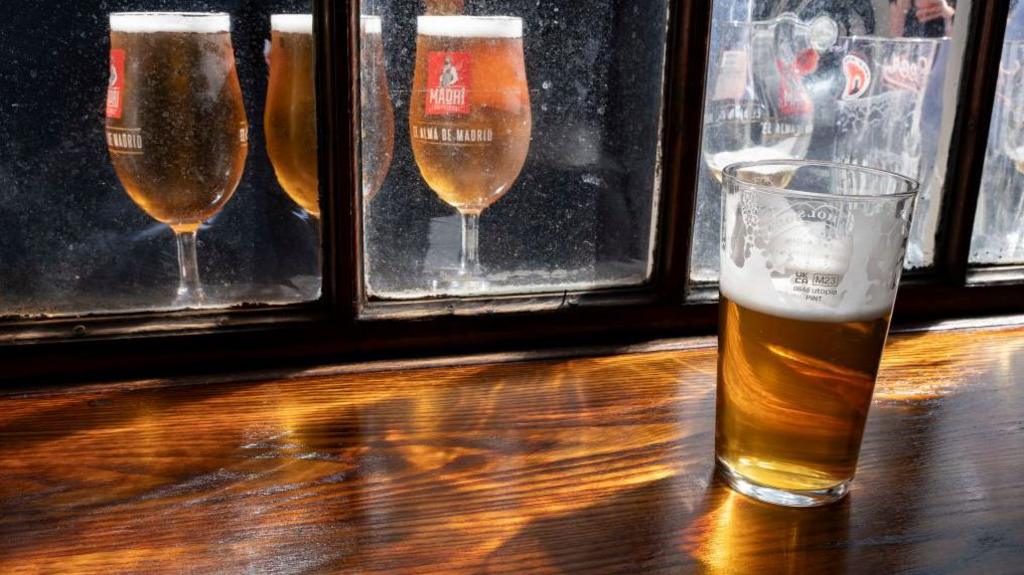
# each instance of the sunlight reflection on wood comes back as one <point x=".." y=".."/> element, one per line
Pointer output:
<point x="599" y="465"/>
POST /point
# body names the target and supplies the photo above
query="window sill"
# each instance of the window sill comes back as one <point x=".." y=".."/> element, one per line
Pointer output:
<point x="551" y="465"/>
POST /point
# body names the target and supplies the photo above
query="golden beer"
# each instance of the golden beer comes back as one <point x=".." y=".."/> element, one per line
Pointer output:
<point x="470" y="117"/>
<point x="377" y="113"/>
<point x="176" y="126"/>
<point x="290" y="115"/>
<point x="793" y="395"/>
<point x="808" y="281"/>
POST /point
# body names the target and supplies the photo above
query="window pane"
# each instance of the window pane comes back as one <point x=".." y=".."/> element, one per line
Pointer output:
<point x="109" y="138"/>
<point x="533" y="125"/>
<point x="848" y="81"/>
<point x="999" y="224"/>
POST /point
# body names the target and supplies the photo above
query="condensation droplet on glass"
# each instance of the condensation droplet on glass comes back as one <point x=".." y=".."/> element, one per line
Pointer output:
<point x="544" y="107"/>
<point x="601" y="111"/>
<point x="546" y="85"/>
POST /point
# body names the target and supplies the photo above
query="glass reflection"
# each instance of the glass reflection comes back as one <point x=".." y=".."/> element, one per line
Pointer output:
<point x="735" y="534"/>
<point x="881" y="98"/>
<point x="759" y="108"/>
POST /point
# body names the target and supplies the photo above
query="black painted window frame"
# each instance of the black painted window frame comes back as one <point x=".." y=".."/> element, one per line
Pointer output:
<point x="345" y="326"/>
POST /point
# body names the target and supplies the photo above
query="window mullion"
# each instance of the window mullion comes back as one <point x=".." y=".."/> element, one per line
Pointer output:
<point x="970" y="136"/>
<point x="337" y="82"/>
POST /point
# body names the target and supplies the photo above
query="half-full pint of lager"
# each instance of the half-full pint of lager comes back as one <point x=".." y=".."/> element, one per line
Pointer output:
<point x="176" y="127"/>
<point x="290" y="116"/>
<point x="470" y="120"/>
<point x="809" y="278"/>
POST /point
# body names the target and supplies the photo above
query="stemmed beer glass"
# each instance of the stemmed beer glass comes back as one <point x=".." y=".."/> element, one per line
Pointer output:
<point x="758" y="108"/>
<point x="470" y="119"/>
<point x="176" y="127"/>
<point x="290" y="116"/>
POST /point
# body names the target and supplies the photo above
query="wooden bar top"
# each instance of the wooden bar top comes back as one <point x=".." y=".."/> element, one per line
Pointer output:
<point x="593" y="465"/>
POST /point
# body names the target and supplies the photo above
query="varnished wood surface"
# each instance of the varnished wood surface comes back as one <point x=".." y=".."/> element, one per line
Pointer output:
<point x="598" y="465"/>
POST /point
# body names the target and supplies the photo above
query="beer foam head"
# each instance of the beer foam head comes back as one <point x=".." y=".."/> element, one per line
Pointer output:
<point x="197" y="22"/>
<point x="370" y="24"/>
<point x="856" y="299"/>
<point x="292" y="23"/>
<point x="470" y="26"/>
<point x="829" y="256"/>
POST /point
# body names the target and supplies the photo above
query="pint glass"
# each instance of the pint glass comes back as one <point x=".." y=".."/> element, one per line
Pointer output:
<point x="809" y="277"/>
<point x="888" y="117"/>
<point x="998" y="233"/>
<point x="879" y="116"/>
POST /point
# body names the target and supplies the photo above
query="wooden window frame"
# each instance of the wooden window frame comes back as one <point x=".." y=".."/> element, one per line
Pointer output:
<point x="344" y="326"/>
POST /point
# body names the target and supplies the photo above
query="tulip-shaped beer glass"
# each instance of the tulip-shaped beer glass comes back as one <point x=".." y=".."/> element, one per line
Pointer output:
<point x="176" y="126"/>
<point x="470" y="120"/>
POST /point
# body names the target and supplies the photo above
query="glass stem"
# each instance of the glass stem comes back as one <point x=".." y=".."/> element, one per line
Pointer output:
<point x="470" y="245"/>
<point x="318" y="238"/>
<point x="190" y="291"/>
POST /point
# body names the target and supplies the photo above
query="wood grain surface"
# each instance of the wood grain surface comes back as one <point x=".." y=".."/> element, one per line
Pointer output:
<point x="597" y="465"/>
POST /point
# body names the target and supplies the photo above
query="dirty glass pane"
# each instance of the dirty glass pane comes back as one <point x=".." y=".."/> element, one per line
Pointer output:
<point x="108" y="140"/>
<point x="999" y="224"/>
<point x="871" y="83"/>
<point x="532" y="126"/>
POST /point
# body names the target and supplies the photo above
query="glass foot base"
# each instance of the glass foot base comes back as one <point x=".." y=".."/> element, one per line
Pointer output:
<point x="785" y="498"/>
<point x="460" y="285"/>
<point x="189" y="299"/>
